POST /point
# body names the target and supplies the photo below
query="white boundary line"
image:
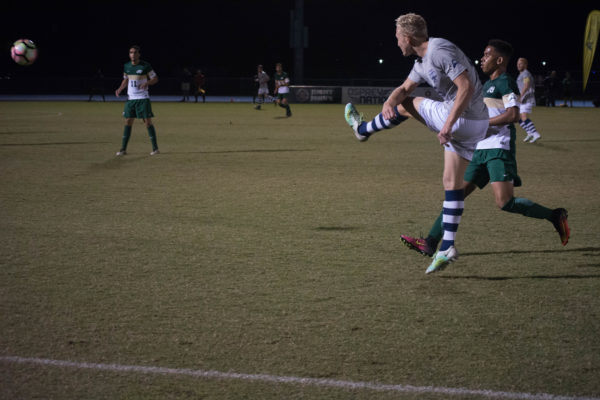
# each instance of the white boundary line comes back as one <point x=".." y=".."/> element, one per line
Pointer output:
<point x="352" y="385"/>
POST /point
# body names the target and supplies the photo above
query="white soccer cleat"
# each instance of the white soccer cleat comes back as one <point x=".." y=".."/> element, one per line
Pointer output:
<point x="155" y="152"/>
<point x="441" y="259"/>
<point x="121" y="153"/>
<point x="535" y="137"/>
<point x="354" y="119"/>
<point x="528" y="138"/>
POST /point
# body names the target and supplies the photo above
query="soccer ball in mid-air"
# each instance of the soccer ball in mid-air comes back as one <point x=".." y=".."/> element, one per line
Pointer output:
<point x="24" y="52"/>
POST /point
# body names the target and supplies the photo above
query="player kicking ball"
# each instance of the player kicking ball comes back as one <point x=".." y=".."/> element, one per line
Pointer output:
<point x="494" y="159"/>
<point x="460" y="120"/>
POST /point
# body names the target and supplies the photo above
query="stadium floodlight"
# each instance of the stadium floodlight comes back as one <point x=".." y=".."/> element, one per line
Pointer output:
<point x="380" y="61"/>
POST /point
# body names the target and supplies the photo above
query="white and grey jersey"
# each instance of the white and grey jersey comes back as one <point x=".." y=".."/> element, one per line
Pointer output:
<point x="262" y="78"/>
<point x="529" y="95"/>
<point x="442" y="64"/>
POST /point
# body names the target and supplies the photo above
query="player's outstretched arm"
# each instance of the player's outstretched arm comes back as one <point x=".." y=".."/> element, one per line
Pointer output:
<point x="121" y="87"/>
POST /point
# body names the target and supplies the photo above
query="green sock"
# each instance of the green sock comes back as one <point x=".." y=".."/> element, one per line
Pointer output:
<point x="437" y="231"/>
<point x="152" y="134"/>
<point x="528" y="208"/>
<point x="126" y="136"/>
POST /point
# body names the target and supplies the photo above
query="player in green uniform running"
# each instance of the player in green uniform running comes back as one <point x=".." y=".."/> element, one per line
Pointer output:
<point x="494" y="158"/>
<point x="282" y="89"/>
<point x="138" y="76"/>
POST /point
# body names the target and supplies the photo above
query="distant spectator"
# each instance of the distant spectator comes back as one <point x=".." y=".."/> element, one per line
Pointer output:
<point x="97" y="85"/>
<point x="552" y="88"/>
<point x="186" y="83"/>
<point x="567" y="90"/>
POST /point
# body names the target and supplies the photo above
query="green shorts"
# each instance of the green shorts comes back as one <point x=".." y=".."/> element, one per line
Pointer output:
<point x="281" y="96"/>
<point x="492" y="165"/>
<point x="138" y="109"/>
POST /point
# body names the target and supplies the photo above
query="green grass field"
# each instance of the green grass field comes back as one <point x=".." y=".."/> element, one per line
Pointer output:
<point x="257" y="244"/>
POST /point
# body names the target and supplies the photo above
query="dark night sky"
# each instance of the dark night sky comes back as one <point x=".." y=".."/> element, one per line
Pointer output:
<point x="228" y="38"/>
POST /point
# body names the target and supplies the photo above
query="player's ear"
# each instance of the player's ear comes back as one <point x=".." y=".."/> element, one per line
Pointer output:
<point x="500" y="60"/>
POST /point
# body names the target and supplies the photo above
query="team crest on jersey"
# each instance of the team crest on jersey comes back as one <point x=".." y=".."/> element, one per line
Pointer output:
<point x="491" y="90"/>
<point x="139" y="71"/>
<point x="433" y="77"/>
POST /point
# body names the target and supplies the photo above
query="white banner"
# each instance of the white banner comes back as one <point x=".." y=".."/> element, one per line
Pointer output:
<point x="378" y="95"/>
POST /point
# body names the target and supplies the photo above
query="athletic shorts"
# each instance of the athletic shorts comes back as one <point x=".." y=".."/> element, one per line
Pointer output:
<point x="262" y="91"/>
<point x="465" y="132"/>
<point x="281" y="96"/>
<point x="492" y="165"/>
<point x="138" y="109"/>
<point x="526" y="108"/>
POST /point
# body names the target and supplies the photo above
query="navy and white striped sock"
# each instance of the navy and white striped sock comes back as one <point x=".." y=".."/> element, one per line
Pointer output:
<point x="528" y="126"/>
<point x="453" y="209"/>
<point x="379" y="123"/>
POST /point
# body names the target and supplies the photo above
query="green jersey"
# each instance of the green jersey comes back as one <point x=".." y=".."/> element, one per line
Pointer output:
<point x="282" y="81"/>
<point x="498" y="95"/>
<point x="138" y="74"/>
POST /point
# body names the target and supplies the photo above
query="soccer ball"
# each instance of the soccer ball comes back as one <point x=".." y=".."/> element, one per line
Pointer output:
<point x="24" y="52"/>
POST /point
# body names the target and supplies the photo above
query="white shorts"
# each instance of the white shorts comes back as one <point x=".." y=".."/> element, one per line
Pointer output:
<point x="466" y="133"/>
<point x="262" y="91"/>
<point x="526" y="108"/>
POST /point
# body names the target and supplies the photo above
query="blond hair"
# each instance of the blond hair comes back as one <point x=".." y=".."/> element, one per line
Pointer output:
<point x="413" y="25"/>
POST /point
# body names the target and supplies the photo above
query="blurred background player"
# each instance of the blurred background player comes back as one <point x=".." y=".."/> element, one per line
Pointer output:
<point x="527" y="100"/>
<point x="494" y="159"/>
<point x="138" y="76"/>
<point x="186" y="84"/>
<point x="262" y="79"/>
<point x="282" y="89"/>
<point x="97" y="85"/>
<point x="460" y="120"/>
<point x="199" y="82"/>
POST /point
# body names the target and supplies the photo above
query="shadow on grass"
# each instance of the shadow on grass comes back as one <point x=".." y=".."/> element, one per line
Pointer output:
<point x="238" y="151"/>
<point x="507" y="278"/>
<point x="117" y="161"/>
<point x="336" y="228"/>
<point x="489" y="253"/>
<point x="48" y="144"/>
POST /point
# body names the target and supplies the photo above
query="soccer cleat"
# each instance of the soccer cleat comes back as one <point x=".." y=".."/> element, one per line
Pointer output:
<point x="528" y="138"/>
<point x="121" y="152"/>
<point x="535" y="137"/>
<point x="441" y="259"/>
<point x="288" y="113"/>
<point x="419" y="245"/>
<point x="155" y="152"/>
<point x="559" y="220"/>
<point x="354" y="119"/>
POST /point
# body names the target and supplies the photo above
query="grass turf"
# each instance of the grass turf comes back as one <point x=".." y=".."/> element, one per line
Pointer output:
<point x="260" y="244"/>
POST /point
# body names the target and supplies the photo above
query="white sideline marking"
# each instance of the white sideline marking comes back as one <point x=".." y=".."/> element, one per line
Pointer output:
<point x="290" y="379"/>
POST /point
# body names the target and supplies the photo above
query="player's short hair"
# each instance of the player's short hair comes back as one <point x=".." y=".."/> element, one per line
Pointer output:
<point x="504" y="48"/>
<point x="412" y="24"/>
<point x="526" y="61"/>
<point x="135" y="46"/>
